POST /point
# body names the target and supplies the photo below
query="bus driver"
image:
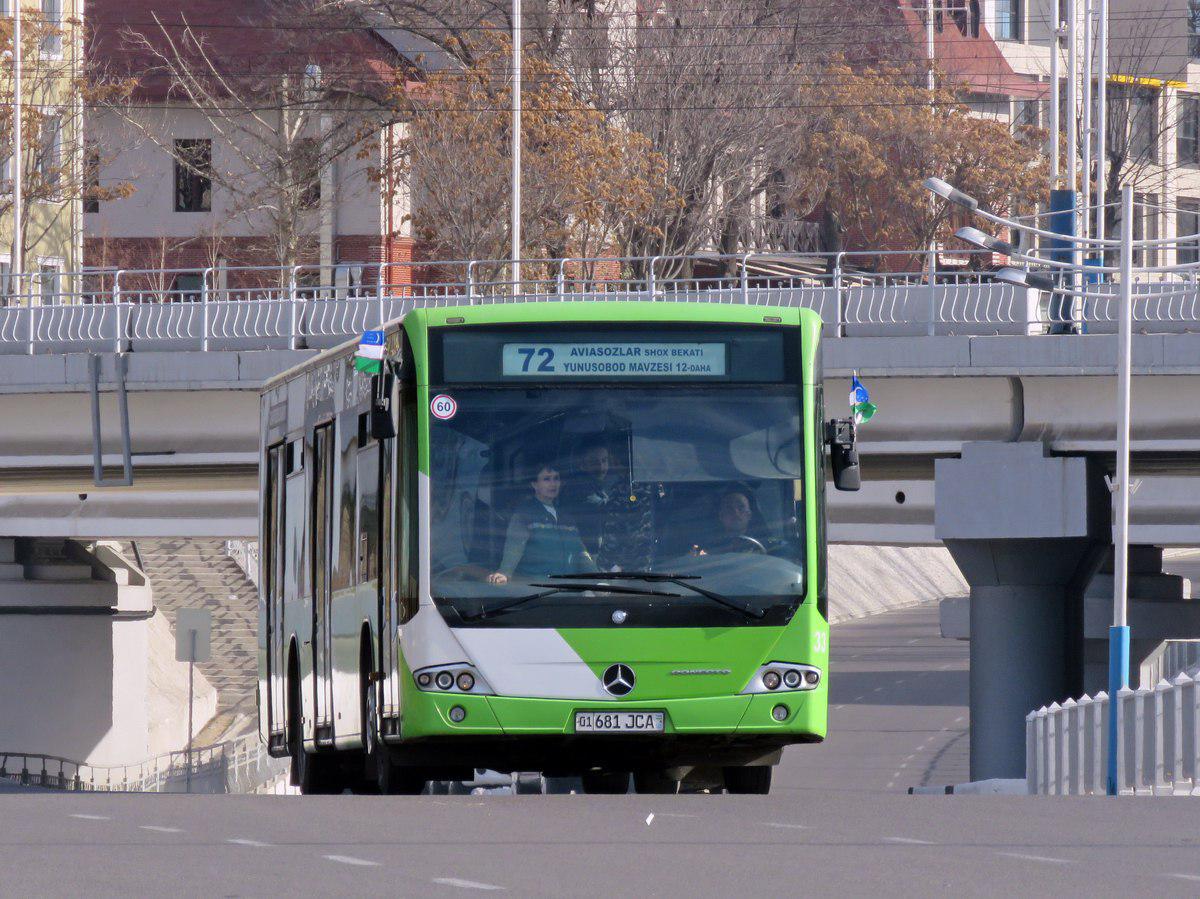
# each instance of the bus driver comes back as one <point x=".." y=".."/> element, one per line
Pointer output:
<point x="540" y="541"/>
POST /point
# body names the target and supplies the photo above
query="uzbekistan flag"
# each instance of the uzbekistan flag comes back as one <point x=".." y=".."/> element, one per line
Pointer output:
<point x="369" y="357"/>
<point x="860" y="401"/>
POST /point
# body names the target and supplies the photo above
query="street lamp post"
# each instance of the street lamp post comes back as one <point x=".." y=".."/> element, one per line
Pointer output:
<point x="1118" y="634"/>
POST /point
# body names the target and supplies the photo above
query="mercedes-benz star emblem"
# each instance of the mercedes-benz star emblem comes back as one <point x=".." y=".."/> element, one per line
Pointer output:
<point x="618" y="679"/>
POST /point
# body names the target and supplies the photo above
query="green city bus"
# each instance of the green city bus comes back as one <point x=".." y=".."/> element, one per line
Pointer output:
<point x="585" y="539"/>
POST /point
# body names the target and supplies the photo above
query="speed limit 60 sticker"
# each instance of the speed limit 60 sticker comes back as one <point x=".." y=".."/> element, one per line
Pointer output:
<point x="443" y="407"/>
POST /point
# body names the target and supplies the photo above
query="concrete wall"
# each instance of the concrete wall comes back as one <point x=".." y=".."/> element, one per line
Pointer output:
<point x="867" y="580"/>
<point x="93" y="688"/>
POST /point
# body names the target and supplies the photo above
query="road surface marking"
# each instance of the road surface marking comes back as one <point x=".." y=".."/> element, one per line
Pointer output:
<point x="649" y="818"/>
<point x="159" y="829"/>
<point x="787" y="826"/>
<point x="351" y="860"/>
<point x="256" y="843"/>
<point x="916" y="640"/>
<point x="908" y="840"/>
<point x="93" y="817"/>
<point x="1185" y="876"/>
<point x="1036" y="858"/>
<point x="465" y="884"/>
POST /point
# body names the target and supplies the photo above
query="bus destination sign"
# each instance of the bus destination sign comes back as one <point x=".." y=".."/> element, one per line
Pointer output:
<point x="621" y="359"/>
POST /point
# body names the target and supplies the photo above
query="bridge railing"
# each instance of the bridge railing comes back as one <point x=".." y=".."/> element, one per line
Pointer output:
<point x="857" y="294"/>
<point x="1066" y="745"/>
<point x="236" y="766"/>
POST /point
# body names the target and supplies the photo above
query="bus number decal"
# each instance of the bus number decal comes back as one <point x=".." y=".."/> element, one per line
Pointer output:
<point x="443" y="407"/>
<point x="820" y="641"/>
<point x="528" y="352"/>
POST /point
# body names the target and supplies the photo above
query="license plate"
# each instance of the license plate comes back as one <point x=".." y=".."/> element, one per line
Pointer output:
<point x="618" y="722"/>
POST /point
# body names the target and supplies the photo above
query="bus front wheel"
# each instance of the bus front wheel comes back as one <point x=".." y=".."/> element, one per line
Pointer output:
<point x="748" y="779"/>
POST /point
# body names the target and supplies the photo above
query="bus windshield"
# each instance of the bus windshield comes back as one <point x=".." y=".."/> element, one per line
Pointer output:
<point x="674" y="491"/>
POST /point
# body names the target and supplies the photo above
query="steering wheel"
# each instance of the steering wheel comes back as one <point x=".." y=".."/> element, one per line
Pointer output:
<point x="746" y="543"/>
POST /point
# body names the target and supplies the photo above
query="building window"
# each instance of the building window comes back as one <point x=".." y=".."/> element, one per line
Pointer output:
<point x="193" y="175"/>
<point x="988" y="106"/>
<point x="1024" y="114"/>
<point x="52" y="43"/>
<point x="1187" y="222"/>
<point x="1187" y="133"/>
<point x="307" y="167"/>
<point x="1145" y="227"/>
<point x="1194" y="28"/>
<point x="1143" y="124"/>
<point x="49" y="158"/>
<point x="91" y="179"/>
<point x="1008" y="20"/>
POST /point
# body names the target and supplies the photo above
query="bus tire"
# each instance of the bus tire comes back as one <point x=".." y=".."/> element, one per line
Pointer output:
<point x="654" y="781"/>
<point x="754" y="779"/>
<point x="313" y="773"/>
<point x="602" y="783"/>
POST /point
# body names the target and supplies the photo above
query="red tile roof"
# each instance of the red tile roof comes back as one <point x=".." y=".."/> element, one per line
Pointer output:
<point x="248" y="41"/>
<point x="974" y="62"/>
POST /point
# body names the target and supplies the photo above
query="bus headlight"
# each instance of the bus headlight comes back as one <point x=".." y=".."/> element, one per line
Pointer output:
<point x="777" y="677"/>
<point x="460" y="678"/>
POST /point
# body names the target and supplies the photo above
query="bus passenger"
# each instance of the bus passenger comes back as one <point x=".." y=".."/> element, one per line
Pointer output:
<point x="541" y="541"/>
<point x="589" y="494"/>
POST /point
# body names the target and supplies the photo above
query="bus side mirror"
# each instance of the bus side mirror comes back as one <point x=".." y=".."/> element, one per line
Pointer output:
<point x="843" y="454"/>
<point x="382" y="426"/>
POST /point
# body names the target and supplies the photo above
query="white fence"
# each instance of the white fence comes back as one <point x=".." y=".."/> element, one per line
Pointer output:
<point x="236" y="766"/>
<point x="310" y="306"/>
<point x="1066" y="746"/>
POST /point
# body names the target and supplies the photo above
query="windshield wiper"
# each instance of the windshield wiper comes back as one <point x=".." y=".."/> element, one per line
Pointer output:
<point x="561" y="588"/>
<point x="679" y="580"/>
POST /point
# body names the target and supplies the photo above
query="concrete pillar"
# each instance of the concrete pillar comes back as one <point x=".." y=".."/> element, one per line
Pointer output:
<point x="1027" y="530"/>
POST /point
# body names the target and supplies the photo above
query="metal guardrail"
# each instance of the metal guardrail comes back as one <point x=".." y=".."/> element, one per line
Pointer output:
<point x="272" y="308"/>
<point x="236" y="766"/>
<point x="1066" y="750"/>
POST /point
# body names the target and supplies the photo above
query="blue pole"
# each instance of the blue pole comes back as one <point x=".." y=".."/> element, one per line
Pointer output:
<point x="1062" y="221"/>
<point x="1118" y="680"/>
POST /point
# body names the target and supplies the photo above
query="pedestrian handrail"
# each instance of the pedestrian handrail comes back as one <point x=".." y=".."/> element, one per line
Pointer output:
<point x="1158" y="728"/>
<point x="241" y="765"/>
<point x="871" y="294"/>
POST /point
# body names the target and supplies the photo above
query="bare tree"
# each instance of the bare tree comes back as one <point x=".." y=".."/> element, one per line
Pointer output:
<point x="279" y="118"/>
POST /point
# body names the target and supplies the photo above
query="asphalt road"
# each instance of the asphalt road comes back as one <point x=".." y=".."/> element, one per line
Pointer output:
<point x="838" y="822"/>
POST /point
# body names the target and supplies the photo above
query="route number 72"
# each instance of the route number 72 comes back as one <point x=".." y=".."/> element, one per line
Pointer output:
<point x="529" y="353"/>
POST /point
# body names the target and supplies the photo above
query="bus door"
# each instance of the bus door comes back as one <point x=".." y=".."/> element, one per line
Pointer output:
<point x="288" y="566"/>
<point x="389" y="704"/>
<point x="323" y="506"/>
<point x="368" y="530"/>
<point x="272" y="587"/>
